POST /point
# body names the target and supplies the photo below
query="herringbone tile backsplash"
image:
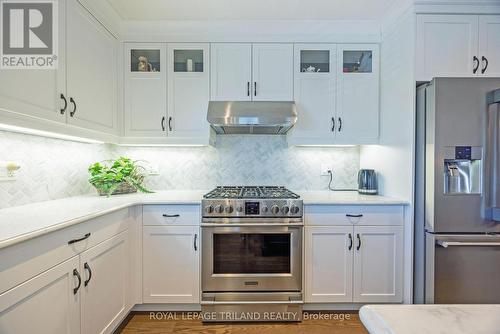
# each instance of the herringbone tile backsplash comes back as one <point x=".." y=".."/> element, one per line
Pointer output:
<point x="53" y="168"/>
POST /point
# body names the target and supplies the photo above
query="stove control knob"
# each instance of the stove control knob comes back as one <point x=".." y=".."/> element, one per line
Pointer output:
<point x="228" y="209"/>
<point x="285" y="209"/>
<point x="275" y="209"/>
<point x="264" y="209"/>
<point x="209" y="209"/>
<point x="294" y="209"/>
<point x="239" y="208"/>
<point x="218" y="208"/>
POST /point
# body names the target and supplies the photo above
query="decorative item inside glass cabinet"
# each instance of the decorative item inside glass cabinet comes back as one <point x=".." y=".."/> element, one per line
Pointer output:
<point x="144" y="60"/>
<point x="188" y="60"/>
<point x="357" y="61"/>
<point x="315" y="61"/>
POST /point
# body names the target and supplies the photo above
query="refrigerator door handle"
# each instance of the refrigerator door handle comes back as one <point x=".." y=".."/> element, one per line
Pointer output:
<point x="446" y="244"/>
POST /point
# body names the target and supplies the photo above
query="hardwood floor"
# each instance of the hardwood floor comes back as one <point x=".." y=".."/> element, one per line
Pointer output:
<point x="141" y="323"/>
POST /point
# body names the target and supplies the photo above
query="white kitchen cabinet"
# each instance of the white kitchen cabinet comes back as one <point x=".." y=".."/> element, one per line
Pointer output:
<point x="231" y="71"/>
<point x="378" y="264"/>
<point x="188" y="90"/>
<point x="315" y="90"/>
<point x="171" y="264"/>
<point x="357" y="111"/>
<point x="91" y="57"/>
<point x="272" y="72"/>
<point x="38" y="93"/>
<point x="105" y="272"/>
<point x="145" y="98"/>
<point x="449" y="46"/>
<point x="489" y="45"/>
<point x="328" y="261"/>
<point x="354" y="258"/>
<point x="49" y="303"/>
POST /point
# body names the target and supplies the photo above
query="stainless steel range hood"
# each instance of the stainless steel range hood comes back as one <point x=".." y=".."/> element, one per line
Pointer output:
<point x="252" y="117"/>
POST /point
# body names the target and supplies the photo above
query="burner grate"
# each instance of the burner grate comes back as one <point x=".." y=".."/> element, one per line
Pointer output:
<point x="242" y="192"/>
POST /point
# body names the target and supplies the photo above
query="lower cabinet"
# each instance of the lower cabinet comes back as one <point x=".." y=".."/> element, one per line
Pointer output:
<point x="354" y="264"/>
<point x="171" y="264"/>
<point x="45" y="304"/>
<point x="104" y="272"/>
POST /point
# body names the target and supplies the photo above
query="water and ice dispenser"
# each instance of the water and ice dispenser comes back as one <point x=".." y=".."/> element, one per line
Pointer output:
<point x="462" y="169"/>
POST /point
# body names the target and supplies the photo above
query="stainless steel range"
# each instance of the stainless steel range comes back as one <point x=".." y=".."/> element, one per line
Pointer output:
<point x="252" y="254"/>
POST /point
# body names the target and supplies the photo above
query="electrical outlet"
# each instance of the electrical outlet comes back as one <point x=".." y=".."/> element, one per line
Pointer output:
<point x="324" y="169"/>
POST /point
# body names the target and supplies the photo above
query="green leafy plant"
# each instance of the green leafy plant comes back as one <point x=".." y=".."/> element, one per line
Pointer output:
<point x="110" y="176"/>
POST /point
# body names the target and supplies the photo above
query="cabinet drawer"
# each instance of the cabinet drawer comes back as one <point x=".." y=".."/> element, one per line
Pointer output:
<point x="353" y="215"/>
<point x="171" y="214"/>
<point x="25" y="260"/>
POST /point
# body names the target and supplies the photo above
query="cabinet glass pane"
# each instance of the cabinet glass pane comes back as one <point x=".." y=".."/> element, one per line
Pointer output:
<point x="188" y="60"/>
<point x="357" y="62"/>
<point x="144" y="60"/>
<point x="314" y="61"/>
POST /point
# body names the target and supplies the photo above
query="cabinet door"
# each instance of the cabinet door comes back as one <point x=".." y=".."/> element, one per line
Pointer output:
<point x="91" y="71"/>
<point x="272" y="72"/>
<point x="314" y="92"/>
<point x="105" y="285"/>
<point x="358" y="94"/>
<point x="378" y="264"/>
<point x="171" y="269"/>
<point x="37" y="93"/>
<point x="489" y="45"/>
<point x="446" y="46"/>
<point x="188" y="90"/>
<point x="231" y="71"/>
<point x="45" y="304"/>
<point x="328" y="260"/>
<point x="145" y="98"/>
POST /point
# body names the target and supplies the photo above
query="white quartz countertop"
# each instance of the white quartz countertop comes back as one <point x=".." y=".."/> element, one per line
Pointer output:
<point x="431" y="319"/>
<point x="25" y="222"/>
<point x="346" y="198"/>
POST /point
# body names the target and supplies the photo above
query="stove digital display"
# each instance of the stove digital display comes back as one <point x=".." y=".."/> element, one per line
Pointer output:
<point x="252" y="208"/>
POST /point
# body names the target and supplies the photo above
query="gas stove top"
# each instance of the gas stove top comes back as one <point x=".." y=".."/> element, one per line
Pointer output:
<point x="252" y="202"/>
<point x="236" y="192"/>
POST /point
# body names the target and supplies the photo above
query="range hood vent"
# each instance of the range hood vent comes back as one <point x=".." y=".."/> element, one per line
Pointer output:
<point x="252" y="117"/>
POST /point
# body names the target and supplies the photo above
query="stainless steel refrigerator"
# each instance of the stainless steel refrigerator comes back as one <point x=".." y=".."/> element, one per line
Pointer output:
<point x="457" y="191"/>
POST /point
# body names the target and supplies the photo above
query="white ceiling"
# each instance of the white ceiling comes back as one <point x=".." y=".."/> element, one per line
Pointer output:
<point x="251" y="9"/>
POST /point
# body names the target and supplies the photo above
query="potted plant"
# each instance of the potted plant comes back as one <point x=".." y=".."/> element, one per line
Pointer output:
<point x="122" y="176"/>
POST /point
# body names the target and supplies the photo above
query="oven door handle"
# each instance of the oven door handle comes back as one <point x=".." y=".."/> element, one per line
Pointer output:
<point x="446" y="244"/>
<point x="250" y="224"/>
<point x="290" y="301"/>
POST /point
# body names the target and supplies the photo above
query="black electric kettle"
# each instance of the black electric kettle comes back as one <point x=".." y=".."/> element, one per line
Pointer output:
<point x="367" y="182"/>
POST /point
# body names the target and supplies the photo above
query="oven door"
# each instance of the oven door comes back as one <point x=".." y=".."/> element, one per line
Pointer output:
<point x="252" y="258"/>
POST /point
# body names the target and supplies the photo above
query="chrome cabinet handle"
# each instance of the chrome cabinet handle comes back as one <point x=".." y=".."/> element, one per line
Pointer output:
<point x="87" y="267"/>
<point x="194" y="243"/>
<point x="476" y="60"/>
<point x="77" y="274"/>
<point x="484" y="59"/>
<point x="78" y="240"/>
<point x="72" y="113"/>
<point x="359" y="241"/>
<point x="333" y="124"/>
<point x="170" y="123"/>
<point x="340" y="124"/>
<point x="63" y="109"/>
<point x="163" y="123"/>
<point x="170" y="216"/>
<point x="350" y="241"/>
<point x="255" y="88"/>
<point x="353" y="216"/>
<point x="248" y="88"/>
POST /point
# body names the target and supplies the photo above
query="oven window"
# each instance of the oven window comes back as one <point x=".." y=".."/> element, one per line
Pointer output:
<point x="250" y="253"/>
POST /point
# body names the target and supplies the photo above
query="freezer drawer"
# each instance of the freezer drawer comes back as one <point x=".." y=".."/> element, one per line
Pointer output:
<point x="463" y="269"/>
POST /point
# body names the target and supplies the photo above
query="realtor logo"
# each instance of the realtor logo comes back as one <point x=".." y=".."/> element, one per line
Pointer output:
<point x="28" y="34"/>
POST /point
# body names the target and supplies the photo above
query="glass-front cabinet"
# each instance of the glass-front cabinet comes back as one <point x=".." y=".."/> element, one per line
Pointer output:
<point x="336" y="89"/>
<point x="145" y="60"/>
<point x="188" y="60"/>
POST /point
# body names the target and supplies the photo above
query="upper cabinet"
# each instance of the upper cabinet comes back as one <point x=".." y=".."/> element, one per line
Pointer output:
<point x="457" y="46"/>
<point x="166" y="93"/>
<point x="337" y="94"/>
<point x="251" y="72"/>
<point x="91" y="71"/>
